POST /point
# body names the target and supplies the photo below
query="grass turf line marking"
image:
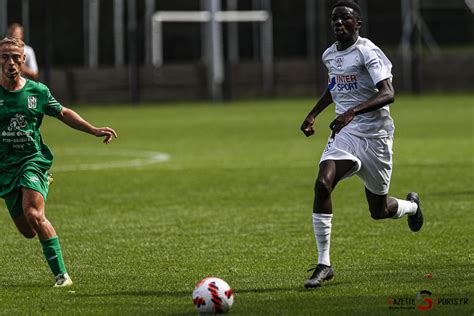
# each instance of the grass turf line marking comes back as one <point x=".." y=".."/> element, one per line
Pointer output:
<point x="143" y="158"/>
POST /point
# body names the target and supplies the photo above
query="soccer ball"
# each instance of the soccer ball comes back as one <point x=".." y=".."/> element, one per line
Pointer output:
<point x="213" y="296"/>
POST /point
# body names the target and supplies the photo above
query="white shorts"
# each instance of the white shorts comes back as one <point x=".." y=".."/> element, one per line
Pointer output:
<point x="372" y="157"/>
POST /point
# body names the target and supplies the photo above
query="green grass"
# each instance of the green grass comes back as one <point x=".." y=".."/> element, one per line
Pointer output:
<point x="234" y="201"/>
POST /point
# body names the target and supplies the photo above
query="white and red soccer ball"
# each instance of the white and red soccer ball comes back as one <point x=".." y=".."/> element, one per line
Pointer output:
<point x="213" y="296"/>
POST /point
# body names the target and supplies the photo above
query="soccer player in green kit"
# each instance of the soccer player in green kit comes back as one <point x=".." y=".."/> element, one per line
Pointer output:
<point x="24" y="158"/>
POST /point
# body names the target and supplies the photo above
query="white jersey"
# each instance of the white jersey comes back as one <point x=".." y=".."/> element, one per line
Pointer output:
<point x="353" y="75"/>
<point x="30" y="61"/>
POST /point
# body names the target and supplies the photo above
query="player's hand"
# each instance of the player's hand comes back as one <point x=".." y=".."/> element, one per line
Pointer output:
<point x="341" y="121"/>
<point x="307" y="126"/>
<point x="107" y="132"/>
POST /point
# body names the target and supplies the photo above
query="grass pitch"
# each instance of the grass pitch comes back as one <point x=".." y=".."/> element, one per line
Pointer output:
<point x="234" y="201"/>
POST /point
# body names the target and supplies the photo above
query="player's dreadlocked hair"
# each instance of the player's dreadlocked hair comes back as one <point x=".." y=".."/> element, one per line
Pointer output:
<point x="349" y="4"/>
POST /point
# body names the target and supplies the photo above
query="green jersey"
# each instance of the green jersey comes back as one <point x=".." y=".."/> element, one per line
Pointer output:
<point x="21" y="145"/>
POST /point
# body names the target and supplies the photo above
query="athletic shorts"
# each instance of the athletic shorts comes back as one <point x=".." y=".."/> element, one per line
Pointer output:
<point x="372" y="157"/>
<point x="34" y="179"/>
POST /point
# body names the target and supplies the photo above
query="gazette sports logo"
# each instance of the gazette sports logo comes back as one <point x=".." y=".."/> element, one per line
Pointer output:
<point x="343" y="83"/>
<point x="423" y="301"/>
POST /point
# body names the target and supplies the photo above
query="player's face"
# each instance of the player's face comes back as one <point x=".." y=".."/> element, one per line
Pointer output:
<point x="12" y="59"/>
<point x="345" y="23"/>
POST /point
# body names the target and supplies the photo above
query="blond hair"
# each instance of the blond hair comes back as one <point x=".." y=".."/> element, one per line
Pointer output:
<point x="12" y="41"/>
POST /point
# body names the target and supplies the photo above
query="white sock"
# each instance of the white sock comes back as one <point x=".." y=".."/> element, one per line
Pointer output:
<point x="405" y="208"/>
<point x="322" y="231"/>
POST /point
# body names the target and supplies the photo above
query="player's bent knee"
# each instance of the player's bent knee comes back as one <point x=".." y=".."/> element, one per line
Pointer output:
<point x="322" y="187"/>
<point x="34" y="216"/>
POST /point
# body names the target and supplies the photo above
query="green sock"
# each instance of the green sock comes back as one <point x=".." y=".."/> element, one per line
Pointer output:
<point x="53" y="255"/>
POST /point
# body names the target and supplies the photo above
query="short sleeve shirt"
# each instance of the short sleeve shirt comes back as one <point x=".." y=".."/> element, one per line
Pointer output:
<point x="30" y="61"/>
<point x="21" y="144"/>
<point x="353" y="76"/>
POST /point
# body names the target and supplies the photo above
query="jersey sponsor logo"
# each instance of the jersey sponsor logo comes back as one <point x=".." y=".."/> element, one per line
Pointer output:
<point x="15" y="133"/>
<point x="339" y="61"/>
<point x="31" y="102"/>
<point x="1" y="102"/>
<point x="332" y="83"/>
<point x="17" y="122"/>
<point x="343" y="83"/>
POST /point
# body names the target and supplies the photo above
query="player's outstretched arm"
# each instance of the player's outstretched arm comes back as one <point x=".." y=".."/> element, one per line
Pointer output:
<point x="74" y="120"/>
<point x="384" y="96"/>
<point x="324" y="101"/>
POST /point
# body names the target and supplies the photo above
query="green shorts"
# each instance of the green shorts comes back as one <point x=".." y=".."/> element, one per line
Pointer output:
<point x="32" y="179"/>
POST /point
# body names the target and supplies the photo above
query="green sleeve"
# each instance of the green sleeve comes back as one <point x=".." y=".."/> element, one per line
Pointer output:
<point x="53" y="108"/>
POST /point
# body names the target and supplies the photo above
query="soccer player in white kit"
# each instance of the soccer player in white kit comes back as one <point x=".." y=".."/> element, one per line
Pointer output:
<point x="30" y="67"/>
<point x="360" y="83"/>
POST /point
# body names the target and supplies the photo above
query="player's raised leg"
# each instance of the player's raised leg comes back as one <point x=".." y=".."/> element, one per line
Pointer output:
<point x="381" y="206"/>
<point x="34" y="212"/>
<point x="330" y="172"/>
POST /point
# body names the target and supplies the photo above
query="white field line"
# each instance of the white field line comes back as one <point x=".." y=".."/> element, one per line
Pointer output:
<point x="136" y="158"/>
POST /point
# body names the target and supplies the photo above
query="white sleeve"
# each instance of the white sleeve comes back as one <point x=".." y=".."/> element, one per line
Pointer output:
<point x="31" y="59"/>
<point x="378" y="65"/>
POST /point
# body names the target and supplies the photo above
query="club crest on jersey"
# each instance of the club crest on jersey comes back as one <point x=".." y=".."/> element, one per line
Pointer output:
<point x="31" y="102"/>
<point x="339" y="61"/>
